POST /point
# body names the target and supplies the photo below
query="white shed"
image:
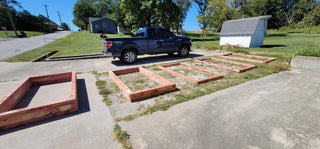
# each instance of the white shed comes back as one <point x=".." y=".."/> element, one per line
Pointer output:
<point x="248" y="32"/>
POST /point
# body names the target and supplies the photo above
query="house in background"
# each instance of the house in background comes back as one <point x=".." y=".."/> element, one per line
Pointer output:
<point x="248" y="32"/>
<point x="49" y="23"/>
<point x="103" y="25"/>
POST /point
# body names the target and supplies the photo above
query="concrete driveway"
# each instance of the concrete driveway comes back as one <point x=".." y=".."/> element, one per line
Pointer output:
<point x="13" y="47"/>
<point x="278" y="111"/>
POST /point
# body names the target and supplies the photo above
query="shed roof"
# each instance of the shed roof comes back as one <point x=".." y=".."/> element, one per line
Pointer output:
<point x="245" y="26"/>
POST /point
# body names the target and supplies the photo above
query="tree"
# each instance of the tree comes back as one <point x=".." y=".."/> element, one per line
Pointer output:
<point x="308" y="10"/>
<point x="82" y="10"/>
<point x="203" y="17"/>
<point x="219" y="12"/>
<point x="5" y="3"/>
<point x="184" y="6"/>
<point x="64" y="26"/>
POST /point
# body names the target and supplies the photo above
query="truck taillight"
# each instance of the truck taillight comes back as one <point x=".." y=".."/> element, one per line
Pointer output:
<point x="108" y="44"/>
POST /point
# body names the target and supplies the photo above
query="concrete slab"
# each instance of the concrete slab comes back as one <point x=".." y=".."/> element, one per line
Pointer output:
<point x="90" y="127"/>
<point x="304" y="62"/>
<point x="278" y="111"/>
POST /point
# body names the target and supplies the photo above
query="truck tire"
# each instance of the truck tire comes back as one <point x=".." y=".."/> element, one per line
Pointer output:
<point x="129" y="56"/>
<point x="184" y="51"/>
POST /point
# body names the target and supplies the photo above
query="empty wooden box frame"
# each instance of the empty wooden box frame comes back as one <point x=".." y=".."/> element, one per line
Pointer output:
<point x="268" y="59"/>
<point x="10" y="118"/>
<point x="248" y="66"/>
<point x="166" y="86"/>
<point x="215" y="76"/>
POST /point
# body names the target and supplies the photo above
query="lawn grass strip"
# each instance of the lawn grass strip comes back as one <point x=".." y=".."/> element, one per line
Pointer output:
<point x="165" y="85"/>
<point x="248" y="66"/>
<point x="268" y="59"/>
<point x="10" y="118"/>
<point x="215" y="76"/>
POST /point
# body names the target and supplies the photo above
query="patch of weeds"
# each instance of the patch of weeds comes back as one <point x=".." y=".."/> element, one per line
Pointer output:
<point x="118" y="119"/>
<point x="308" y="52"/>
<point x="95" y="72"/>
<point x="140" y="107"/>
<point x="79" y="73"/>
<point x="107" y="100"/>
<point x="144" y="66"/>
<point x="211" y="47"/>
<point x="101" y="84"/>
<point x="104" y="91"/>
<point x="122" y="137"/>
<point x="249" y="76"/>
<point x="141" y="81"/>
<point x="156" y="69"/>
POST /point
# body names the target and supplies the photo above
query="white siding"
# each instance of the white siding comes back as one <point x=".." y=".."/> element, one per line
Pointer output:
<point x="240" y="41"/>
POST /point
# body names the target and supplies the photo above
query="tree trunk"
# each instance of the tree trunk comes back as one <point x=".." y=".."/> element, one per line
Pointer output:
<point x="310" y="28"/>
<point x="305" y="26"/>
<point x="10" y="17"/>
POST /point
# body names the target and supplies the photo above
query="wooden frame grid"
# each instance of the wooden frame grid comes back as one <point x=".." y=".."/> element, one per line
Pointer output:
<point x="268" y="59"/>
<point x="248" y="66"/>
<point x="10" y="118"/>
<point x="215" y="75"/>
<point x="165" y="85"/>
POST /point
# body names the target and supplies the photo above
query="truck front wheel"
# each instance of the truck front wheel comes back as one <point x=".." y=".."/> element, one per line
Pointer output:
<point x="184" y="51"/>
<point x="129" y="56"/>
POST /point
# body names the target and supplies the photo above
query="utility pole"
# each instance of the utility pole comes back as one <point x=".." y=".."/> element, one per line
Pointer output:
<point x="48" y="16"/>
<point x="59" y="17"/>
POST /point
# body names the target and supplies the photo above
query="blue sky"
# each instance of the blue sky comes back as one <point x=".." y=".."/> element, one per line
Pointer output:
<point x="65" y="7"/>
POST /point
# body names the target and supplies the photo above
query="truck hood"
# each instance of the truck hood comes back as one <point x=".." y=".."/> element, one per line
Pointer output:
<point x="183" y="37"/>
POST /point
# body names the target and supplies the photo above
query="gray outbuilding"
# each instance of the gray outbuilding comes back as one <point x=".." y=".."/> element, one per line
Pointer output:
<point x="247" y="32"/>
<point x="103" y="25"/>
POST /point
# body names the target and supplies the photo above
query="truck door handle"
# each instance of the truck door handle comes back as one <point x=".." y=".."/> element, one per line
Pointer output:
<point x="161" y="40"/>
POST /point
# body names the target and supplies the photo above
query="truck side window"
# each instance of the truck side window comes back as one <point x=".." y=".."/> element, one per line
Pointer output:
<point x="163" y="33"/>
<point x="140" y="34"/>
<point x="152" y="33"/>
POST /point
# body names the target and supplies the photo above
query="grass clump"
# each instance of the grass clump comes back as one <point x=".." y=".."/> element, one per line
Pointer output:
<point x="308" y="52"/>
<point x="141" y="81"/>
<point x="104" y="91"/>
<point x="122" y="137"/>
<point x="101" y="84"/>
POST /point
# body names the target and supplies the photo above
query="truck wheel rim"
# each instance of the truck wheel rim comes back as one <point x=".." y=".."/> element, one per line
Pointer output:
<point x="184" y="51"/>
<point x="130" y="57"/>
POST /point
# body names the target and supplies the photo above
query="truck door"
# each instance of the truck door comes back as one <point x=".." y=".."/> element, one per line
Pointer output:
<point x="152" y="41"/>
<point x="166" y="42"/>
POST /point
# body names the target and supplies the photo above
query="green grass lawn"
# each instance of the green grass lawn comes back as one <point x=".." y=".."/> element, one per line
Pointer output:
<point x="281" y="45"/>
<point x="12" y="35"/>
<point x="278" y="44"/>
<point x="76" y="43"/>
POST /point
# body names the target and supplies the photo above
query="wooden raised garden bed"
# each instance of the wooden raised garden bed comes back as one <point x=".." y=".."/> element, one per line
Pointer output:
<point x="247" y="66"/>
<point x="10" y="117"/>
<point x="165" y="85"/>
<point x="266" y="59"/>
<point x="214" y="75"/>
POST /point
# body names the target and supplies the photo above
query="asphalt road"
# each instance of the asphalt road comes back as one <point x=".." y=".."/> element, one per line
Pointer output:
<point x="13" y="47"/>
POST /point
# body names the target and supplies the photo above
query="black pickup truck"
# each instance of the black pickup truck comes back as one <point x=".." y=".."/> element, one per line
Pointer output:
<point x="151" y="40"/>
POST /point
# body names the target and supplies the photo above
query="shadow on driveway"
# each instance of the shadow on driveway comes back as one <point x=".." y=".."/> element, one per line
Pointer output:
<point x="155" y="59"/>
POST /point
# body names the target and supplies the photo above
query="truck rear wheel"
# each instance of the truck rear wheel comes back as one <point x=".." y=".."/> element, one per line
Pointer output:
<point x="129" y="56"/>
<point x="184" y="50"/>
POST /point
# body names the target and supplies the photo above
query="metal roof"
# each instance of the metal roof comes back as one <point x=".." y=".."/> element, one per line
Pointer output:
<point x="245" y="26"/>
